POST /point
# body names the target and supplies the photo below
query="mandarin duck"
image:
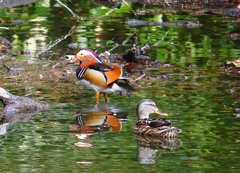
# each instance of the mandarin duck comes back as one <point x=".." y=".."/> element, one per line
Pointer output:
<point x="100" y="77"/>
<point x="154" y="127"/>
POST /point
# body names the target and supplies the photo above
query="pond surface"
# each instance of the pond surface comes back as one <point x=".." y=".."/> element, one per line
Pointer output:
<point x="202" y="104"/>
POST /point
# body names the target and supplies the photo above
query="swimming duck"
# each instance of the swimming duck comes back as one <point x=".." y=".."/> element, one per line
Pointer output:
<point x="99" y="76"/>
<point x="155" y="127"/>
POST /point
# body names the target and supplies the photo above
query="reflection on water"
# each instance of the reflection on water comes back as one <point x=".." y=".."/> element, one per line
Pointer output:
<point x="13" y="3"/>
<point x="9" y="120"/>
<point x="149" y="146"/>
<point x="109" y="117"/>
<point x="99" y="118"/>
<point x="204" y="105"/>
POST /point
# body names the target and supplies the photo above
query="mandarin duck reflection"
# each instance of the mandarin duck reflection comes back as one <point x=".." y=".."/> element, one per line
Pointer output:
<point x="99" y="118"/>
<point x="99" y="76"/>
<point x="155" y="127"/>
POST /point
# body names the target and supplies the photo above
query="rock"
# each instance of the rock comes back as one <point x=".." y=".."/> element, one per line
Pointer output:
<point x="18" y="104"/>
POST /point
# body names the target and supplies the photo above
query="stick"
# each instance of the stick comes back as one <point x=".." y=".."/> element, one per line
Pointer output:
<point x="74" y="15"/>
<point x="139" y="77"/>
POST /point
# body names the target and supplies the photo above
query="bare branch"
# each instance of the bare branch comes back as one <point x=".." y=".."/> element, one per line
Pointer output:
<point x="157" y="43"/>
<point x="52" y="44"/>
<point x="74" y="15"/>
<point x="130" y="7"/>
<point x="169" y="6"/>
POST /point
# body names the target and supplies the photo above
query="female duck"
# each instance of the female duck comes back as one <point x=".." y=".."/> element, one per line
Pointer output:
<point x="154" y="127"/>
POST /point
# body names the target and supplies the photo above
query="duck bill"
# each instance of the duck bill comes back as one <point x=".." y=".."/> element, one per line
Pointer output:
<point x="74" y="59"/>
<point x="158" y="111"/>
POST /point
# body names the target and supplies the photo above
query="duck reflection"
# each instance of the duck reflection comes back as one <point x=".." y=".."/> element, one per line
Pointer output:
<point x="99" y="118"/>
<point x="149" y="146"/>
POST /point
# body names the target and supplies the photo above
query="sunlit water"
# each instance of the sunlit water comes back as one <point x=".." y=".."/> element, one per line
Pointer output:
<point x="202" y="105"/>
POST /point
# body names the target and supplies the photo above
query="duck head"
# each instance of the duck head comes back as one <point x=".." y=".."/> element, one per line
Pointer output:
<point x="87" y="58"/>
<point x="146" y="107"/>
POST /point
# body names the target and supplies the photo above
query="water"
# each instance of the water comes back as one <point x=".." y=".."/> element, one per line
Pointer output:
<point x="202" y="105"/>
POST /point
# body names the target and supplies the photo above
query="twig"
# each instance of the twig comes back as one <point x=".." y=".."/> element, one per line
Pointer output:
<point x="169" y="6"/>
<point x="74" y="15"/>
<point x="58" y="64"/>
<point x="110" y="11"/>
<point x="169" y="77"/>
<point x="132" y="38"/>
<point x="116" y="45"/>
<point x="139" y="78"/>
<point x="232" y="91"/>
<point x="52" y="44"/>
<point x="126" y="40"/>
<point x="157" y="43"/>
<point x="130" y="7"/>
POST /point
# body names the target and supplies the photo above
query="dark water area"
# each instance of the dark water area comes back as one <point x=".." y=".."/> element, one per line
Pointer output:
<point x="200" y="98"/>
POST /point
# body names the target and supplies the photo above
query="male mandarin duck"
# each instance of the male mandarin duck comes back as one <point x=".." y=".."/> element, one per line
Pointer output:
<point x="99" y="76"/>
<point x="154" y="127"/>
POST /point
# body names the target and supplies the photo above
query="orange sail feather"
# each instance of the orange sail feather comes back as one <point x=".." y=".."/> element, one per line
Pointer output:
<point x="113" y="74"/>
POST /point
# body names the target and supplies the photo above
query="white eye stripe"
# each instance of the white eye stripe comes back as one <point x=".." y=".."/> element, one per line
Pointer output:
<point x="85" y="52"/>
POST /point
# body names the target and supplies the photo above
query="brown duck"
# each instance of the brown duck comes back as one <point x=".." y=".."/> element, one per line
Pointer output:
<point x="154" y="127"/>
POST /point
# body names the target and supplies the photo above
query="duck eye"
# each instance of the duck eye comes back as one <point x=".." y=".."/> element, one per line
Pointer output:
<point x="151" y="104"/>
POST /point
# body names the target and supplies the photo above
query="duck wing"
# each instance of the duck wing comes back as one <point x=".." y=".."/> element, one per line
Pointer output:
<point x="111" y="74"/>
<point x="158" y="122"/>
<point x="101" y="67"/>
<point x="114" y="74"/>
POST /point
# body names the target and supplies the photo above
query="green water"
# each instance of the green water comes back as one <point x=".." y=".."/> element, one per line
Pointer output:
<point x="202" y="105"/>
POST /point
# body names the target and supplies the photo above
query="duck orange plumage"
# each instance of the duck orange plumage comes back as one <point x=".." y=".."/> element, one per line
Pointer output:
<point x="99" y="76"/>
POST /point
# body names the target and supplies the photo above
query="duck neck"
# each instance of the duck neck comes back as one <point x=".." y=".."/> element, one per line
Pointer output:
<point x="142" y="116"/>
<point x="80" y="72"/>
